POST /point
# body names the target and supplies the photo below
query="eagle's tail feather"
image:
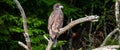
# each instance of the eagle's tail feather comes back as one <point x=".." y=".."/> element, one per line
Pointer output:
<point x="54" y="39"/>
<point x="54" y="42"/>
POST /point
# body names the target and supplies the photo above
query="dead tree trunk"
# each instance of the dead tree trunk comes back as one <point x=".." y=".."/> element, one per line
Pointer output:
<point x="117" y="15"/>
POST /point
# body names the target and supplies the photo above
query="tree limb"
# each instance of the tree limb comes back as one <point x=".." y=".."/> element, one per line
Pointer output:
<point x="75" y="22"/>
<point x="117" y="17"/>
<point x="110" y="34"/>
<point x="45" y="37"/>
<point x="50" y="43"/>
<point x="70" y="25"/>
<point x="27" y="39"/>
<point x="23" y="45"/>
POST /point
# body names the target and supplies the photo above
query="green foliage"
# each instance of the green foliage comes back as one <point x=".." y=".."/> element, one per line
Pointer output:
<point x="59" y="43"/>
<point x="71" y="13"/>
<point x="38" y="11"/>
<point x="10" y="2"/>
<point x="118" y="49"/>
<point x="111" y="41"/>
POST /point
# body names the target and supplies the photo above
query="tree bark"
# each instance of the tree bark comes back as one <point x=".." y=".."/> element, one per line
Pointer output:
<point x="27" y="39"/>
<point x="117" y="15"/>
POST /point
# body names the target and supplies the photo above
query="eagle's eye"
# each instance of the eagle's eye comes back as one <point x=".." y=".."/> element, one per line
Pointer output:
<point x="57" y="6"/>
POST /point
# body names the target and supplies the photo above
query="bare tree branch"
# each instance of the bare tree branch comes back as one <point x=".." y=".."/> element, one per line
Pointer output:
<point x="27" y="39"/>
<point x="50" y="43"/>
<point x="73" y="23"/>
<point x="117" y="17"/>
<point x="23" y="45"/>
<point x="45" y="37"/>
<point x="110" y="34"/>
<point x="109" y="47"/>
<point x="70" y="25"/>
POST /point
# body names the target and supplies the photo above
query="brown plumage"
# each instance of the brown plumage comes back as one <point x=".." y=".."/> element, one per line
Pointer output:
<point x="55" y="22"/>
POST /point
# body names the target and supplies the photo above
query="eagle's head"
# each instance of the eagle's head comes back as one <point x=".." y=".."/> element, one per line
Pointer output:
<point x="57" y="6"/>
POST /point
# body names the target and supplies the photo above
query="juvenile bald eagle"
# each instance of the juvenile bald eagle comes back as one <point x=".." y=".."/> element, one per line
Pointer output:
<point x="55" y="22"/>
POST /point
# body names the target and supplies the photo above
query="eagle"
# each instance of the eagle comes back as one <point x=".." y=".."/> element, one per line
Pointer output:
<point x="55" y="22"/>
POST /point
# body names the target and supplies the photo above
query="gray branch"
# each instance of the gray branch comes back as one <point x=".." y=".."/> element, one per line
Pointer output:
<point x="110" y="34"/>
<point x="70" y="25"/>
<point x="117" y="17"/>
<point x="27" y="39"/>
<point x="22" y="44"/>
<point x="75" y="22"/>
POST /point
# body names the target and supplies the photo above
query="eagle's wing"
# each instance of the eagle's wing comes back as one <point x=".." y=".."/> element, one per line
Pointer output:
<point x="58" y="21"/>
<point x="51" y="20"/>
<point x="55" y="22"/>
<point x="50" y="24"/>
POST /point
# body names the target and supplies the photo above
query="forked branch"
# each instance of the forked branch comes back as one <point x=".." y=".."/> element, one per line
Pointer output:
<point x="70" y="25"/>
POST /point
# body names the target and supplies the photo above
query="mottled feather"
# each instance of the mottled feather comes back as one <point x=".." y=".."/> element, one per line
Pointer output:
<point x="55" y="22"/>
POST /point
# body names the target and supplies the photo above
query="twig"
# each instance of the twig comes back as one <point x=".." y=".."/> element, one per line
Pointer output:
<point x="27" y="39"/>
<point x="70" y="36"/>
<point x="70" y="25"/>
<point x="22" y="44"/>
<point x="45" y="37"/>
<point x="90" y="38"/>
<point x="110" y="34"/>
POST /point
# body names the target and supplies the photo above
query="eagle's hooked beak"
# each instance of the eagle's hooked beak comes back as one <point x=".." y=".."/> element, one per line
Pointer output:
<point x="60" y="6"/>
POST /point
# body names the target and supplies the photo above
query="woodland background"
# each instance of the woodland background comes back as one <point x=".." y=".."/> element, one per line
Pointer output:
<point x="84" y="35"/>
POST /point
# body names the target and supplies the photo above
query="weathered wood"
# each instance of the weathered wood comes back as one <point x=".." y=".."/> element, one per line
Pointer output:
<point x="27" y="39"/>
<point x="70" y="25"/>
